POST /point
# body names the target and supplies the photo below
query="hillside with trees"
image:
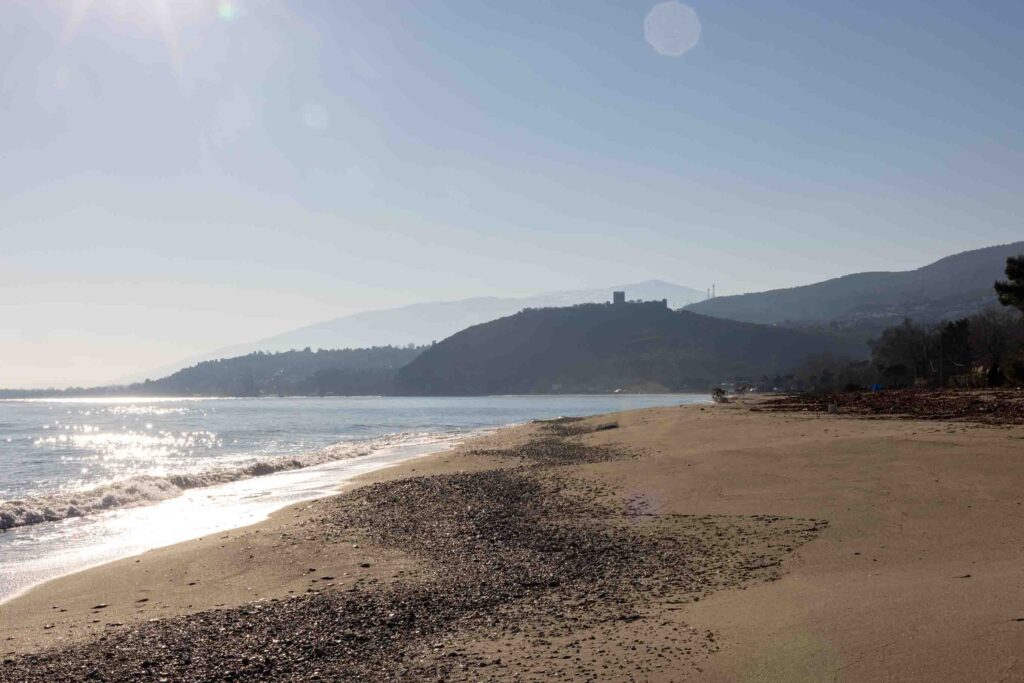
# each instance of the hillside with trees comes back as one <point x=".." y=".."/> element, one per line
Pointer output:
<point x="426" y="322"/>
<point x="289" y="373"/>
<point x="954" y="287"/>
<point x="601" y="347"/>
<point x="637" y="346"/>
<point x="981" y="350"/>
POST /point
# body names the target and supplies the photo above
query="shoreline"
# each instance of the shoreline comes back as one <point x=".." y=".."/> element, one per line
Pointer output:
<point x="147" y="487"/>
<point x="84" y="503"/>
<point x="322" y="486"/>
<point x="60" y="610"/>
<point x="908" y="511"/>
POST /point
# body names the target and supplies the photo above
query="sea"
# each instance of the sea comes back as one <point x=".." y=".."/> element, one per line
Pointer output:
<point x="90" y="480"/>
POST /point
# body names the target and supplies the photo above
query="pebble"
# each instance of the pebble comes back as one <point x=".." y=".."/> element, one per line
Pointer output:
<point x="523" y="551"/>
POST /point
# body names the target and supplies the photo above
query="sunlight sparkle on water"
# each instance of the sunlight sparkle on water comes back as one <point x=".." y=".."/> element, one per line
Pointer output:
<point x="116" y="455"/>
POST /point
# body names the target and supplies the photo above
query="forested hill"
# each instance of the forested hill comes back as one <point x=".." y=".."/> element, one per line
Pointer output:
<point x="953" y="287"/>
<point x="423" y="323"/>
<point x="600" y="347"/>
<point x="289" y="373"/>
<point x="583" y="348"/>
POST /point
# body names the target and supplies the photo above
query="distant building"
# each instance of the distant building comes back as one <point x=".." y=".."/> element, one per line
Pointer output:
<point x="619" y="299"/>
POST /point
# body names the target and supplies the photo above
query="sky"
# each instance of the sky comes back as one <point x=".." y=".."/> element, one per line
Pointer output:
<point x="179" y="175"/>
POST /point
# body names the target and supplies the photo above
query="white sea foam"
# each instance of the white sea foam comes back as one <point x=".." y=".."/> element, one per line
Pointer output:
<point x="147" y="489"/>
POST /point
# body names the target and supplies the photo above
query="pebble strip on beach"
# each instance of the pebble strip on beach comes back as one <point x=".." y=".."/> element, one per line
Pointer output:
<point x="523" y="551"/>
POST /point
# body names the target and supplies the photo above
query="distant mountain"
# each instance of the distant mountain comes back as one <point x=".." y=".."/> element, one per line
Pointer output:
<point x="600" y="348"/>
<point x="426" y="322"/>
<point x="950" y="288"/>
<point x="637" y="346"/>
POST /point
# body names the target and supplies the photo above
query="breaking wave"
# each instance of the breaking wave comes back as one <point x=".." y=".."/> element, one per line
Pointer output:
<point x="147" y="489"/>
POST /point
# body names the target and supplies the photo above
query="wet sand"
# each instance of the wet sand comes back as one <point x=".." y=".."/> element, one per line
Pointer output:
<point x="716" y="544"/>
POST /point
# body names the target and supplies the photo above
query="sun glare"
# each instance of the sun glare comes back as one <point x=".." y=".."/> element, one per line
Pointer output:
<point x="227" y="10"/>
<point x="166" y="17"/>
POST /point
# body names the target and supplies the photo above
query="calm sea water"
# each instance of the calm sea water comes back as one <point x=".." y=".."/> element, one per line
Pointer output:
<point x="86" y="481"/>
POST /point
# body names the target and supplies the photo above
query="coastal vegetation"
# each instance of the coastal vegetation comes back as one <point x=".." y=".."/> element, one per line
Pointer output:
<point x="985" y="349"/>
<point x="351" y="372"/>
<point x="290" y="373"/>
<point x="599" y="348"/>
<point x="1011" y="290"/>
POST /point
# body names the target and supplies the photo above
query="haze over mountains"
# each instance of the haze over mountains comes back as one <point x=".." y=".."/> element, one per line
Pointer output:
<point x="585" y="348"/>
<point x="424" y="323"/>
<point x="950" y="288"/>
<point x="552" y="342"/>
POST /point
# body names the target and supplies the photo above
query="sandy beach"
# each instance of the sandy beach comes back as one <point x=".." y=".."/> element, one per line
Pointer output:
<point x="718" y="543"/>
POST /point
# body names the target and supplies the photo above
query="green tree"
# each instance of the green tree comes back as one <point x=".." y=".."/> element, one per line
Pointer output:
<point x="1011" y="293"/>
<point x="995" y="333"/>
<point x="1011" y="290"/>
<point x="955" y="352"/>
<point x="904" y="354"/>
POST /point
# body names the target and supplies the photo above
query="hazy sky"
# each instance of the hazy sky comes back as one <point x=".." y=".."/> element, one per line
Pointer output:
<point x="176" y="175"/>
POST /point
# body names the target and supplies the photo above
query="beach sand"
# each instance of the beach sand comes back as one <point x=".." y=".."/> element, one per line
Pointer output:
<point x="765" y="547"/>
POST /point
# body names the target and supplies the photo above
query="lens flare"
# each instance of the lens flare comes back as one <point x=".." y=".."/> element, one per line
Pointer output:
<point x="165" y="17"/>
<point x="227" y="11"/>
<point x="672" y="28"/>
<point x="315" y="116"/>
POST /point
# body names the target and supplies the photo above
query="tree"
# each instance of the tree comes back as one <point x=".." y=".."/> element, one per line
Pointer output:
<point x="992" y="336"/>
<point x="902" y="354"/>
<point x="955" y="352"/>
<point x="827" y="372"/>
<point x="1011" y="290"/>
<point x="1011" y="293"/>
